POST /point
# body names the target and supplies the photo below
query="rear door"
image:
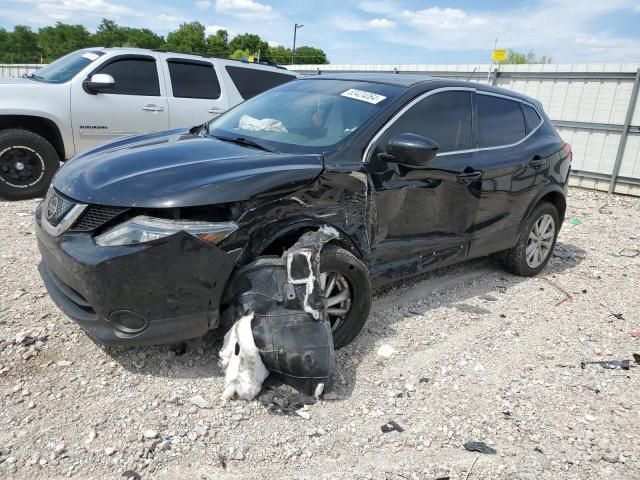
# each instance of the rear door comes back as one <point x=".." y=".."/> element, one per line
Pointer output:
<point x="196" y="94"/>
<point x="513" y="169"/>
<point x="136" y="105"/>
<point x="252" y="81"/>
<point x="425" y="214"/>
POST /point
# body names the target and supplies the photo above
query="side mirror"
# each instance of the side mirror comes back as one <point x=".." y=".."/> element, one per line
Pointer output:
<point x="100" y="82"/>
<point x="412" y="149"/>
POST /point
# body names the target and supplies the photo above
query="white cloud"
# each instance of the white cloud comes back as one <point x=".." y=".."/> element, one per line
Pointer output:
<point x="349" y="24"/>
<point x="443" y="18"/>
<point x="246" y="9"/>
<point x="43" y="11"/>
<point x="379" y="7"/>
<point x="382" y="23"/>
<point x="213" y="29"/>
<point x="203" y="4"/>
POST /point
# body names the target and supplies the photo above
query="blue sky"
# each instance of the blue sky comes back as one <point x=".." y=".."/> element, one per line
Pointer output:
<point x="380" y="31"/>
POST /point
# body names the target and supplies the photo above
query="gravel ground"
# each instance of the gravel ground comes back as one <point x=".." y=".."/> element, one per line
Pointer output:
<point x="476" y="355"/>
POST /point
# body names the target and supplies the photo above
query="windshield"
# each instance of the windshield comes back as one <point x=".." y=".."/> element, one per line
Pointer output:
<point x="66" y="67"/>
<point x="305" y="115"/>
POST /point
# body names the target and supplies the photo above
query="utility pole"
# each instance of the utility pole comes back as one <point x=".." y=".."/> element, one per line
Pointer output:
<point x="495" y="45"/>
<point x="293" y="50"/>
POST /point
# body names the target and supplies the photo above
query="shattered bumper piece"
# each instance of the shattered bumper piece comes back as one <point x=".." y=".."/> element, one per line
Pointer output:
<point x="289" y="325"/>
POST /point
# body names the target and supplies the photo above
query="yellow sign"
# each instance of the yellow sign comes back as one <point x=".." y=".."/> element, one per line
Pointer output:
<point x="251" y="59"/>
<point x="499" y="55"/>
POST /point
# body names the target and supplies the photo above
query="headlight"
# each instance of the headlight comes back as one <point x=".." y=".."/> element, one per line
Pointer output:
<point x="145" y="229"/>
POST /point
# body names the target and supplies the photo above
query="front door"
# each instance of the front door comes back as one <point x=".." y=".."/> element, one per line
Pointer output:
<point x="137" y="104"/>
<point x="425" y="214"/>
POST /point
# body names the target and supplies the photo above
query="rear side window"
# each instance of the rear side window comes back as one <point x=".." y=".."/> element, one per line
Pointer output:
<point x="193" y="80"/>
<point x="443" y="117"/>
<point x="500" y="122"/>
<point x="134" y="76"/>
<point x="252" y="81"/>
<point x="531" y="118"/>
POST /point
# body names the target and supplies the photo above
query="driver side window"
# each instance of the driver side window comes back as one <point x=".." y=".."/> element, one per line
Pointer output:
<point x="133" y="76"/>
<point x="443" y="117"/>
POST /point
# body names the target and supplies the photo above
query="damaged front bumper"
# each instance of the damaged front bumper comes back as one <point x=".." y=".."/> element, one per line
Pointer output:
<point x="157" y="292"/>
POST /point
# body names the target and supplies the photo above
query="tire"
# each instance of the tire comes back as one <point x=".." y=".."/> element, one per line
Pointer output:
<point x="27" y="164"/>
<point x="338" y="262"/>
<point x="515" y="259"/>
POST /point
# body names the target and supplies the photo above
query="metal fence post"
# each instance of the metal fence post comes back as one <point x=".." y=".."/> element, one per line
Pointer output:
<point x="625" y="132"/>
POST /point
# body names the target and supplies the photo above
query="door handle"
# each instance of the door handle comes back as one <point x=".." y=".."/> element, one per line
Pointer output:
<point x="538" y="162"/>
<point x="215" y="110"/>
<point x="468" y="177"/>
<point x="152" y="108"/>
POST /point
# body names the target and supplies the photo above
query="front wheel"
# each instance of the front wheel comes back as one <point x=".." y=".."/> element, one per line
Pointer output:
<point x="536" y="242"/>
<point x="27" y="164"/>
<point x="345" y="283"/>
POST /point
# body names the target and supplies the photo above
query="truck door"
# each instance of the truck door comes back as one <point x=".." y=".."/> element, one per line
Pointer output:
<point x="195" y="94"/>
<point x="137" y="103"/>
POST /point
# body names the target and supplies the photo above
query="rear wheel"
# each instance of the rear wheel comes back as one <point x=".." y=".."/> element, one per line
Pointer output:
<point x="536" y="242"/>
<point x="345" y="283"/>
<point x="27" y="164"/>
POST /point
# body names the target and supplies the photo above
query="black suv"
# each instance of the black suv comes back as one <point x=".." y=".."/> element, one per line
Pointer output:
<point x="139" y="237"/>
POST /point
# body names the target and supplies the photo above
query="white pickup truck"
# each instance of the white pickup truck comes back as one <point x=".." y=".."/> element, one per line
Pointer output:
<point x="94" y="95"/>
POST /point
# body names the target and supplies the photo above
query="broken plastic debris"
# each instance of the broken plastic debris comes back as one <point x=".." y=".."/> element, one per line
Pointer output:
<point x="391" y="427"/>
<point x="244" y="370"/>
<point x="575" y="221"/>
<point x="619" y="316"/>
<point x="608" y="364"/>
<point x="636" y="357"/>
<point x="480" y="447"/>
<point x="289" y="326"/>
<point x="635" y="334"/>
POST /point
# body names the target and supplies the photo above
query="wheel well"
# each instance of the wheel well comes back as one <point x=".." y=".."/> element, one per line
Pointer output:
<point x="282" y="242"/>
<point x="558" y="200"/>
<point x="42" y="126"/>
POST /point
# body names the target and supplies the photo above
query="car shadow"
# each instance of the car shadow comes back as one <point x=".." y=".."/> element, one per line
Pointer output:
<point x="484" y="277"/>
<point x="198" y="358"/>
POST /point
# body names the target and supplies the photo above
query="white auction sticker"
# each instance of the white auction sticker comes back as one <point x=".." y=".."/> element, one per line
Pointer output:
<point x="90" y="56"/>
<point x="363" y="96"/>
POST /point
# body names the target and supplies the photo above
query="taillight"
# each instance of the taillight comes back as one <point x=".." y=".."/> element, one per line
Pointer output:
<point x="567" y="148"/>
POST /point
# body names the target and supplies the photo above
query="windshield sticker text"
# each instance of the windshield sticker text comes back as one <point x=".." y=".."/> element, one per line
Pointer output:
<point x="363" y="96"/>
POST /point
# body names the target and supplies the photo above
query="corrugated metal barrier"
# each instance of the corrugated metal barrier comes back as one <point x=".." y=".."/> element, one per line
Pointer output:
<point x="594" y="106"/>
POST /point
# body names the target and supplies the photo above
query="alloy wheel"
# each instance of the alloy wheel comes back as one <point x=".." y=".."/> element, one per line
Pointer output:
<point x="540" y="240"/>
<point x="337" y="291"/>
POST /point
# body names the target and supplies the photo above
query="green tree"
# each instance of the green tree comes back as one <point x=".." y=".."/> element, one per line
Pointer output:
<point x="281" y="55"/>
<point x="4" y="46"/>
<point x="141" y="38"/>
<point x="188" y="38"/>
<point x="517" y="58"/>
<point x="310" y="55"/>
<point x="238" y="54"/>
<point x="218" y="44"/>
<point x="109" y="34"/>
<point x="23" y="45"/>
<point x="251" y="43"/>
<point x="61" y="39"/>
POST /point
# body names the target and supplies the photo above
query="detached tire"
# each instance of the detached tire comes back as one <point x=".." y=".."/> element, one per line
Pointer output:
<point x="536" y="241"/>
<point x="27" y="164"/>
<point x="346" y="284"/>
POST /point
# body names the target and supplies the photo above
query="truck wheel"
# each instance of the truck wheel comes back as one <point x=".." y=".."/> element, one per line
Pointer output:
<point x="536" y="242"/>
<point x="27" y="164"/>
<point x="346" y="285"/>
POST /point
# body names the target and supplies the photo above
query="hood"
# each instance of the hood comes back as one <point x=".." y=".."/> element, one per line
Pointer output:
<point x="17" y="81"/>
<point x="178" y="169"/>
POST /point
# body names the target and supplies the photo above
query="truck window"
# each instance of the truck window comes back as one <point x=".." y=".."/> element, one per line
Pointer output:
<point x="190" y="79"/>
<point x="133" y="76"/>
<point x="500" y="121"/>
<point x="253" y="81"/>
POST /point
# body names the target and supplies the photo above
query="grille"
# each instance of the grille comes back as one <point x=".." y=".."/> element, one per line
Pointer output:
<point x="56" y="207"/>
<point x="95" y="216"/>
